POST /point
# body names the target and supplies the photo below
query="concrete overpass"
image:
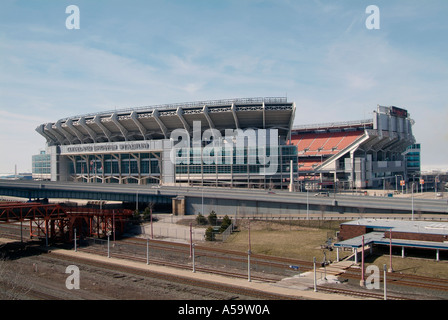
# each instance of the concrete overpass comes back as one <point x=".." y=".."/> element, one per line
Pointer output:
<point x="238" y="202"/>
<point x="59" y="190"/>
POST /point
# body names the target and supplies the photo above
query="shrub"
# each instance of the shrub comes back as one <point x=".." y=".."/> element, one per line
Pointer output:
<point x="147" y="213"/>
<point x="200" y="219"/>
<point x="226" y="222"/>
<point x="209" y="235"/>
<point x="212" y="218"/>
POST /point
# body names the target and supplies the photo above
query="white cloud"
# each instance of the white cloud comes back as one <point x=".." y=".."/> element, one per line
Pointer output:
<point x="318" y="53"/>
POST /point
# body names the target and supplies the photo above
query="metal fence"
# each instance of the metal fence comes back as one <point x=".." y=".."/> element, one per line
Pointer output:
<point x="159" y="232"/>
<point x="223" y="236"/>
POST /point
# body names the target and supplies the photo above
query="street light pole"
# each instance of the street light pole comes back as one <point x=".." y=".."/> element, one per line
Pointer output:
<point x="412" y="200"/>
<point x="307" y="205"/>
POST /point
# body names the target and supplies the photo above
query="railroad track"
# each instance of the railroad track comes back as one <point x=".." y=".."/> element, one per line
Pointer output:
<point x="258" y="294"/>
<point x="181" y="266"/>
<point x="353" y="293"/>
<point x="225" y="254"/>
<point x="408" y="280"/>
<point x="357" y="293"/>
<point x="46" y="293"/>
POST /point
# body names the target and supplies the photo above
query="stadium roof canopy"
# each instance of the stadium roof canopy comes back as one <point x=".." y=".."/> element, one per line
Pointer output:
<point x="157" y="122"/>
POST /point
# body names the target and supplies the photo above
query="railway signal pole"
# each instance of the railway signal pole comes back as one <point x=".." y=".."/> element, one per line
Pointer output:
<point x="147" y="251"/>
<point x="248" y="257"/>
<point x="362" y="282"/>
<point x="191" y="241"/>
<point x="75" y="240"/>
<point x="108" y="244"/>
<point x="390" y="251"/>
<point x="385" y="272"/>
<point x="194" y="269"/>
<point x="315" y="281"/>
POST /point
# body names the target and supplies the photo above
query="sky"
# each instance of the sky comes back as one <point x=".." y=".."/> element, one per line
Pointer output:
<point x="319" y="54"/>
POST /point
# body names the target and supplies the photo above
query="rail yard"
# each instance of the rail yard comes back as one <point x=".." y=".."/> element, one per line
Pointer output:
<point x="117" y="271"/>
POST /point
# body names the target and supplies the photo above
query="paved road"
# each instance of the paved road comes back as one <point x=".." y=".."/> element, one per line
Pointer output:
<point x="375" y="202"/>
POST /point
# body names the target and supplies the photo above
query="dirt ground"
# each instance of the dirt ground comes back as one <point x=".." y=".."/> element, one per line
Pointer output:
<point x="43" y="276"/>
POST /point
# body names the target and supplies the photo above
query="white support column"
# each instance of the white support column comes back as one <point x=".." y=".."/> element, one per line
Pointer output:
<point x="179" y="113"/>
<point x="70" y="125"/>
<point x="437" y="255"/>
<point x="155" y="114"/>
<point x="140" y="126"/>
<point x="120" y="127"/>
<point x="55" y="133"/>
<point x="235" y="117"/>
<point x="337" y="254"/>
<point x="92" y="134"/>
<point x="41" y="129"/>
<point x="402" y="252"/>
<point x="352" y="169"/>
<point x="67" y="134"/>
<point x="205" y="111"/>
<point x="264" y="115"/>
<point x="106" y="131"/>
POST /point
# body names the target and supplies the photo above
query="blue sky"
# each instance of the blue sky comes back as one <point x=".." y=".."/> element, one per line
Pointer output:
<point x="136" y="53"/>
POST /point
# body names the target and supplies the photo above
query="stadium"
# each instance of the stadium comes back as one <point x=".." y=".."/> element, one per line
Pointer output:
<point x="249" y="143"/>
<point x="368" y="153"/>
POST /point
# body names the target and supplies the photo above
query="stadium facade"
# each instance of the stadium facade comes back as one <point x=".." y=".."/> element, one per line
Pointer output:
<point x="248" y="142"/>
<point x="368" y="153"/>
<point x="238" y="142"/>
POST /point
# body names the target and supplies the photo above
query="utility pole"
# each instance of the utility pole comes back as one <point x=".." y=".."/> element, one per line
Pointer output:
<point x="385" y="290"/>
<point x="390" y="251"/>
<point x="194" y="268"/>
<point x="191" y="241"/>
<point x="147" y="251"/>
<point x="362" y="282"/>
<point x="248" y="257"/>
<point x="315" y="281"/>
<point x="307" y="204"/>
<point x="412" y="200"/>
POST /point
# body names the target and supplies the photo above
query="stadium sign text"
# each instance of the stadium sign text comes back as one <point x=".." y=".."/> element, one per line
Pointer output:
<point x="106" y="147"/>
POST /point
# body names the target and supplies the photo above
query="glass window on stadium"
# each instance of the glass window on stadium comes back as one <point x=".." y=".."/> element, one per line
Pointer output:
<point x="41" y="164"/>
<point x="245" y="161"/>
<point x="116" y="166"/>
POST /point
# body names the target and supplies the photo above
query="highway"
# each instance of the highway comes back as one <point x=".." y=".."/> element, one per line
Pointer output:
<point x="131" y="192"/>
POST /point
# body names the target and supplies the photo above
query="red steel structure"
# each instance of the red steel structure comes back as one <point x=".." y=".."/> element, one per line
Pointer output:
<point x="58" y="221"/>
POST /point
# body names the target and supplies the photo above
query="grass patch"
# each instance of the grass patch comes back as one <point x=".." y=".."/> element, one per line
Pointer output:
<point x="410" y="264"/>
<point x="303" y="239"/>
<point x="283" y="239"/>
